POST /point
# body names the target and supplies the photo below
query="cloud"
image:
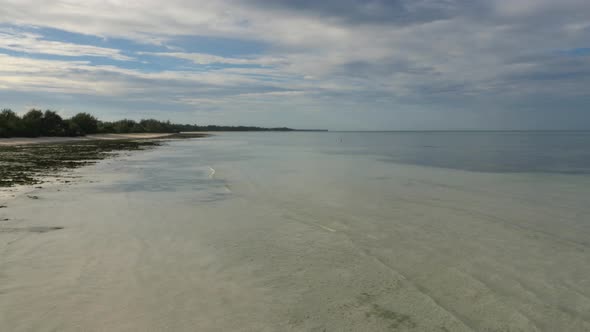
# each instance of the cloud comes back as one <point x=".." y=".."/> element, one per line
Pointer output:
<point x="81" y="77"/>
<point x="35" y="44"/>
<point x="345" y="54"/>
<point x="205" y="59"/>
<point x="388" y="12"/>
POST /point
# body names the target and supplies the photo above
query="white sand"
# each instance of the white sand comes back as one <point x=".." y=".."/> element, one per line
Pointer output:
<point x="40" y="140"/>
<point x="413" y="249"/>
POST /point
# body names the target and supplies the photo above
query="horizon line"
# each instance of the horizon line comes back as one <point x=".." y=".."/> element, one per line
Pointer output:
<point x="448" y="130"/>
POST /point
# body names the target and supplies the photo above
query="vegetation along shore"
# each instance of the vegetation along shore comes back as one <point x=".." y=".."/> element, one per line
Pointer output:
<point x="37" y="123"/>
<point x="80" y="140"/>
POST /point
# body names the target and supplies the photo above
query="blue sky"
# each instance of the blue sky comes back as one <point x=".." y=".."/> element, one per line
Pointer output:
<point x="336" y="64"/>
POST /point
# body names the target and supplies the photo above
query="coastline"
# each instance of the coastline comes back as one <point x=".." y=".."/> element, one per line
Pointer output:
<point x="98" y="137"/>
<point x="152" y="241"/>
<point x="29" y="164"/>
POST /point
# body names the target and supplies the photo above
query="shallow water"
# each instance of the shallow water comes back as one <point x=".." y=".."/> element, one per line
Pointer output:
<point x="310" y="232"/>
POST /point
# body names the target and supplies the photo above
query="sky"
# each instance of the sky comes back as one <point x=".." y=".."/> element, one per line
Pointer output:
<point x="333" y="64"/>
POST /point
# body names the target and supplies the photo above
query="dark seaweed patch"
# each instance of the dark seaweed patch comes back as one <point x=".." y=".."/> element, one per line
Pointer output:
<point x="396" y="319"/>
<point x="43" y="229"/>
<point x="28" y="164"/>
<point x="33" y="229"/>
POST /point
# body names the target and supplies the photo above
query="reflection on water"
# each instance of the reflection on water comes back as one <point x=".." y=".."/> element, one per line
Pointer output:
<point x="551" y="152"/>
<point x="172" y="169"/>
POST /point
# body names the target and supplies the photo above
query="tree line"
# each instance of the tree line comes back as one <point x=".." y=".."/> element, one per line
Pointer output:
<point x="37" y="123"/>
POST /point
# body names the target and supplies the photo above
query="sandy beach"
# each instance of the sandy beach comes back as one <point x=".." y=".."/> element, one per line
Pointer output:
<point x="295" y="166"/>
<point x="41" y="140"/>
<point x="156" y="241"/>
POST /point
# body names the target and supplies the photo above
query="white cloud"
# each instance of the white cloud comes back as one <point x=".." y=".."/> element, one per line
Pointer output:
<point x="35" y="44"/>
<point x="273" y="94"/>
<point x="206" y="59"/>
<point x="81" y="77"/>
<point x="453" y="53"/>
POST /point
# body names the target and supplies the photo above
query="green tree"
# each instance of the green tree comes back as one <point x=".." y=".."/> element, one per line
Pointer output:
<point x="10" y="124"/>
<point x="72" y="128"/>
<point x="124" y="126"/>
<point x="52" y="124"/>
<point x="85" y="123"/>
<point x="105" y="127"/>
<point x="32" y="123"/>
<point x="152" y="126"/>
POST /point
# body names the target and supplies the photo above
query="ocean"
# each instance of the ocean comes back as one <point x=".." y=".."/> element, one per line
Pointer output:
<point x="313" y="231"/>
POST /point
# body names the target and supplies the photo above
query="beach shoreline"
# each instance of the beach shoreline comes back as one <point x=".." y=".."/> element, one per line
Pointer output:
<point x="284" y="238"/>
<point x="29" y="164"/>
<point x="98" y="137"/>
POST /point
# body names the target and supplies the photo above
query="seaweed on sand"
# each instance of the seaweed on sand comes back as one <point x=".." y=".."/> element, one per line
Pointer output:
<point x="28" y="164"/>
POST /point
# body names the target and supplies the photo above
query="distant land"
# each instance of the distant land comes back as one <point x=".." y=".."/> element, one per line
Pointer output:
<point x="36" y="123"/>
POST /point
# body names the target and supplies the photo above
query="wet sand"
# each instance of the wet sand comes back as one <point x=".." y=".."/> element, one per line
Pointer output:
<point x="404" y="248"/>
<point x="47" y="140"/>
